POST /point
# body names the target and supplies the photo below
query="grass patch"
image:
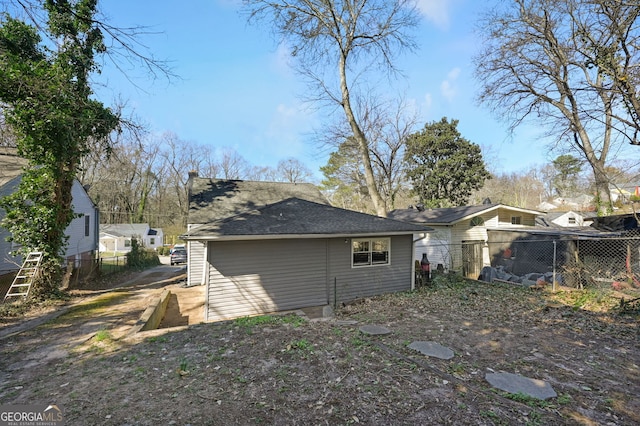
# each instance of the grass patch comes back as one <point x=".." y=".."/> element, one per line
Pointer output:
<point x="595" y="300"/>
<point x="102" y="336"/>
<point x="248" y="323"/>
<point x="91" y="308"/>
<point x="526" y="399"/>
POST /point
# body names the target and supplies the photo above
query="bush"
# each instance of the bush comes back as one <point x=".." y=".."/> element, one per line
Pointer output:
<point x="139" y="257"/>
<point x="164" y="251"/>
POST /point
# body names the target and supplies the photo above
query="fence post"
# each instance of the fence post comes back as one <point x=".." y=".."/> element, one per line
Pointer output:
<point x="553" y="284"/>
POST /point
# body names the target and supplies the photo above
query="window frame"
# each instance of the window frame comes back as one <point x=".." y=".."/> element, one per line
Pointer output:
<point x="87" y="225"/>
<point x="370" y="252"/>
<point x="476" y="221"/>
<point x="516" y="220"/>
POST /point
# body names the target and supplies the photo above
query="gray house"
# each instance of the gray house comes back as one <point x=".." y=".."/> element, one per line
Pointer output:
<point x="263" y="247"/>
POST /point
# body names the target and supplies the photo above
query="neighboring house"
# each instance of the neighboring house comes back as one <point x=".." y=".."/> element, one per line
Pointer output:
<point x="582" y="202"/>
<point x="82" y="231"/>
<point x="117" y="237"/>
<point x="568" y="219"/>
<point x="263" y="247"/>
<point x="459" y="240"/>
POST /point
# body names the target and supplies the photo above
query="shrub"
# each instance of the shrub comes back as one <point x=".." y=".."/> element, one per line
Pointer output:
<point x="139" y="257"/>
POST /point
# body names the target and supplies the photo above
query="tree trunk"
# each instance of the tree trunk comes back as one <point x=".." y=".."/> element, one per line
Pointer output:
<point x="363" y="145"/>
<point x="603" y="194"/>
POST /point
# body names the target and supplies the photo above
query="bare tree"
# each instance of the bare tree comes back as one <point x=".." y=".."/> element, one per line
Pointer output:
<point x="350" y="36"/>
<point x="293" y="170"/>
<point x="610" y="32"/>
<point x="233" y="165"/>
<point x="533" y="66"/>
<point x="387" y="124"/>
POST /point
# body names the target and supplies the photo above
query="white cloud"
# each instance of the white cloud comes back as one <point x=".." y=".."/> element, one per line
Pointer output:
<point x="436" y="11"/>
<point x="448" y="87"/>
<point x="428" y="100"/>
<point x="280" y="60"/>
<point x="283" y="134"/>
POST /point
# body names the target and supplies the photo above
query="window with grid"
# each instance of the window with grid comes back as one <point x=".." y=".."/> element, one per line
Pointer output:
<point x="370" y="252"/>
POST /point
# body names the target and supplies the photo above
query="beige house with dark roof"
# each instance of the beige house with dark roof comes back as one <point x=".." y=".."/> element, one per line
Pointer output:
<point x="459" y="240"/>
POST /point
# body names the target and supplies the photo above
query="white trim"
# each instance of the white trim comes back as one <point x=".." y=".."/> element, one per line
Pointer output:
<point x="205" y="282"/>
<point x="371" y="240"/>
<point x="297" y="236"/>
<point x="205" y="262"/>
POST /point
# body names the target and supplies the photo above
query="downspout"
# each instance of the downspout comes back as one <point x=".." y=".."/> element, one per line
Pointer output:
<point x="205" y="262"/>
<point x="205" y="280"/>
<point x="96" y="230"/>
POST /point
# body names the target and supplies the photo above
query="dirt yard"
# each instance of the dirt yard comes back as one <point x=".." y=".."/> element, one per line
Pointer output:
<point x="287" y="370"/>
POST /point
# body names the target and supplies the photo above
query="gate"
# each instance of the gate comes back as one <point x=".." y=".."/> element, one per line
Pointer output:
<point x="472" y="259"/>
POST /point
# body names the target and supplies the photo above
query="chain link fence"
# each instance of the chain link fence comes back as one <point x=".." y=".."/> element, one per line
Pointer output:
<point x="579" y="262"/>
<point x="572" y="262"/>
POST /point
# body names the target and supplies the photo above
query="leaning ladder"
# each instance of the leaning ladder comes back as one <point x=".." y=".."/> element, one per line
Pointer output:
<point x="22" y="282"/>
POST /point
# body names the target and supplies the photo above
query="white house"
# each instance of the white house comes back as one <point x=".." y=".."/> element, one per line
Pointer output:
<point x="117" y="237"/>
<point x="567" y="219"/>
<point x="82" y="231"/>
<point x="460" y="239"/>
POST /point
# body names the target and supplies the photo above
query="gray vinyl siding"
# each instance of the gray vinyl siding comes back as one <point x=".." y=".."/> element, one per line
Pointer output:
<point x="195" y="260"/>
<point x="255" y="277"/>
<point x="347" y="283"/>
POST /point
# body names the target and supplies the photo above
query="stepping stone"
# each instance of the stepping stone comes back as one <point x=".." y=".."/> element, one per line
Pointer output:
<point x="375" y="330"/>
<point x="432" y="349"/>
<point x="514" y="383"/>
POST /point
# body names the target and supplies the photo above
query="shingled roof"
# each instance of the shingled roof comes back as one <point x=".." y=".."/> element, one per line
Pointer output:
<point x="449" y="216"/>
<point x="215" y="199"/>
<point x="297" y="218"/>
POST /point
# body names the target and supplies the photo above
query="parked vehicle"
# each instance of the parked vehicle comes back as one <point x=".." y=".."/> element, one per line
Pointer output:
<point x="179" y="255"/>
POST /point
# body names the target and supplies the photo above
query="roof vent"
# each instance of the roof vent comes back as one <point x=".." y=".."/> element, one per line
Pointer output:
<point x="486" y="201"/>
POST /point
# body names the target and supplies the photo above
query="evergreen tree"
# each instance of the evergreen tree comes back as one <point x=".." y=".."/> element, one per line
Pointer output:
<point x="444" y="167"/>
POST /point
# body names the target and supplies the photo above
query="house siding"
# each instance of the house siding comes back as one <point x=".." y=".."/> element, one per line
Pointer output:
<point x="505" y="216"/>
<point x="78" y="246"/>
<point x="79" y="243"/>
<point x="256" y="277"/>
<point x="347" y="283"/>
<point x="195" y="260"/>
<point x="436" y="245"/>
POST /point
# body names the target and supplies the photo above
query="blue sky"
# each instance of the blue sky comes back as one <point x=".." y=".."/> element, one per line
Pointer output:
<point x="236" y="89"/>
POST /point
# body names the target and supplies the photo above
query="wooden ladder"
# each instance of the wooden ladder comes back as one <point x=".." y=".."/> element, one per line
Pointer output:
<point x="23" y="280"/>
